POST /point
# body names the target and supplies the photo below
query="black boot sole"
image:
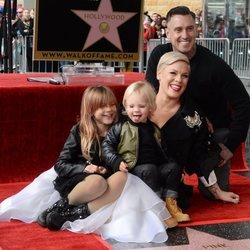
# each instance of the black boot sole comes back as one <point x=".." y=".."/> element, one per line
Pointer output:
<point x="55" y="221"/>
<point x="41" y="219"/>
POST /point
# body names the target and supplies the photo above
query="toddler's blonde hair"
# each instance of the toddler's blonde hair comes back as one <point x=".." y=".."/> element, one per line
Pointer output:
<point x="144" y="88"/>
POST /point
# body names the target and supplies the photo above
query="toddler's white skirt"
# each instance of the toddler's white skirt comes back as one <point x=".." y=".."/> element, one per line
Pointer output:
<point x="137" y="216"/>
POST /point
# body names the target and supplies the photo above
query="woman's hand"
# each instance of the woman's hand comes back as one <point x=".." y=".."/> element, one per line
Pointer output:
<point x="123" y="167"/>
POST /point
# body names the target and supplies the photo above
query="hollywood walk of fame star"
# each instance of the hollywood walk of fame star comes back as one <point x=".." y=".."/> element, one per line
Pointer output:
<point x="204" y="241"/>
<point x="104" y="23"/>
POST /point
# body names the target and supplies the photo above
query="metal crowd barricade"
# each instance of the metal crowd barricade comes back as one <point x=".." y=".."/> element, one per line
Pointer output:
<point x="22" y="51"/>
<point x="152" y="43"/>
<point x="238" y="57"/>
<point x="240" y="63"/>
<point x="219" y="46"/>
<point x="241" y="57"/>
<point x="23" y="65"/>
<point x="19" y="54"/>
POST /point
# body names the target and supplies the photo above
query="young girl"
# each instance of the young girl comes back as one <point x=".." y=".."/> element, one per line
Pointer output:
<point x="134" y="145"/>
<point x="79" y="193"/>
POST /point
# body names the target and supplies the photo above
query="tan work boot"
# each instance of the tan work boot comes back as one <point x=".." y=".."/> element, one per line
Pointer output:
<point x="175" y="211"/>
<point x="171" y="222"/>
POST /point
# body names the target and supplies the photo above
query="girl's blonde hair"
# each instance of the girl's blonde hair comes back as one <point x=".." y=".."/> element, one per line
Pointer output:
<point x="170" y="58"/>
<point x="93" y="98"/>
<point x="144" y="88"/>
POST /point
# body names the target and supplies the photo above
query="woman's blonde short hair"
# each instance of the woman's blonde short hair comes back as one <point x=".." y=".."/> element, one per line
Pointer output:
<point x="141" y="87"/>
<point x="170" y="58"/>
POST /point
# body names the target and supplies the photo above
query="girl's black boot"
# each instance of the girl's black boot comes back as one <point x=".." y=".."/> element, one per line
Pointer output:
<point x="55" y="220"/>
<point x="59" y="206"/>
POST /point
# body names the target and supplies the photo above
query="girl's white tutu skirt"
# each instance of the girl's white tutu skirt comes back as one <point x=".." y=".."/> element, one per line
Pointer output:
<point x="137" y="216"/>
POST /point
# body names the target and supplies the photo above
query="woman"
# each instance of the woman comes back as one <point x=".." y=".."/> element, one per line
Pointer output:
<point x="184" y="128"/>
<point x="81" y="194"/>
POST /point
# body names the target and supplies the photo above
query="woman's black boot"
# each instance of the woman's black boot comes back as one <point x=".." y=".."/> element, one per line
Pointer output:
<point x="59" y="206"/>
<point x="55" y="220"/>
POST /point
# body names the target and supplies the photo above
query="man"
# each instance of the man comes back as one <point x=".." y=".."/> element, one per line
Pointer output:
<point x="212" y="84"/>
<point x="154" y="18"/>
<point x="19" y="14"/>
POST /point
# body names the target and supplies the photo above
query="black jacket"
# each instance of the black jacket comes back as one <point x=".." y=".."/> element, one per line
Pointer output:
<point x="125" y="142"/>
<point x="190" y="144"/>
<point x="71" y="161"/>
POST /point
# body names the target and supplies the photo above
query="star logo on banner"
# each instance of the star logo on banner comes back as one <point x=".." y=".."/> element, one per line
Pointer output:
<point x="104" y="23"/>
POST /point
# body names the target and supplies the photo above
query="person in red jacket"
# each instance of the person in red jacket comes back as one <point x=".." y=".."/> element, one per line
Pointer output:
<point x="149" y="33"/>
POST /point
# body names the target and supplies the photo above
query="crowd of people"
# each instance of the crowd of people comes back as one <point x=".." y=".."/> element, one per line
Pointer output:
<point x="121" y="170"/>
<point x="216" y="26"/>
<point x="22" y="33"/>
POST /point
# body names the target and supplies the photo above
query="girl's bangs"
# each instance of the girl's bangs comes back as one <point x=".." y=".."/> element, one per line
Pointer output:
<point x="106" y="98"/>
<point x="101" y="98"/>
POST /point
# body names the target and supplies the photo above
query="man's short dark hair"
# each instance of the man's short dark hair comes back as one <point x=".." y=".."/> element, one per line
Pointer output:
<point x="179" y="10"/>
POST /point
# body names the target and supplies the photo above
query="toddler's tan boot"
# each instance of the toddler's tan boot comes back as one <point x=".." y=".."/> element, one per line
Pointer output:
<point x="171" y="222"/>
<point x="175" y="211"/>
